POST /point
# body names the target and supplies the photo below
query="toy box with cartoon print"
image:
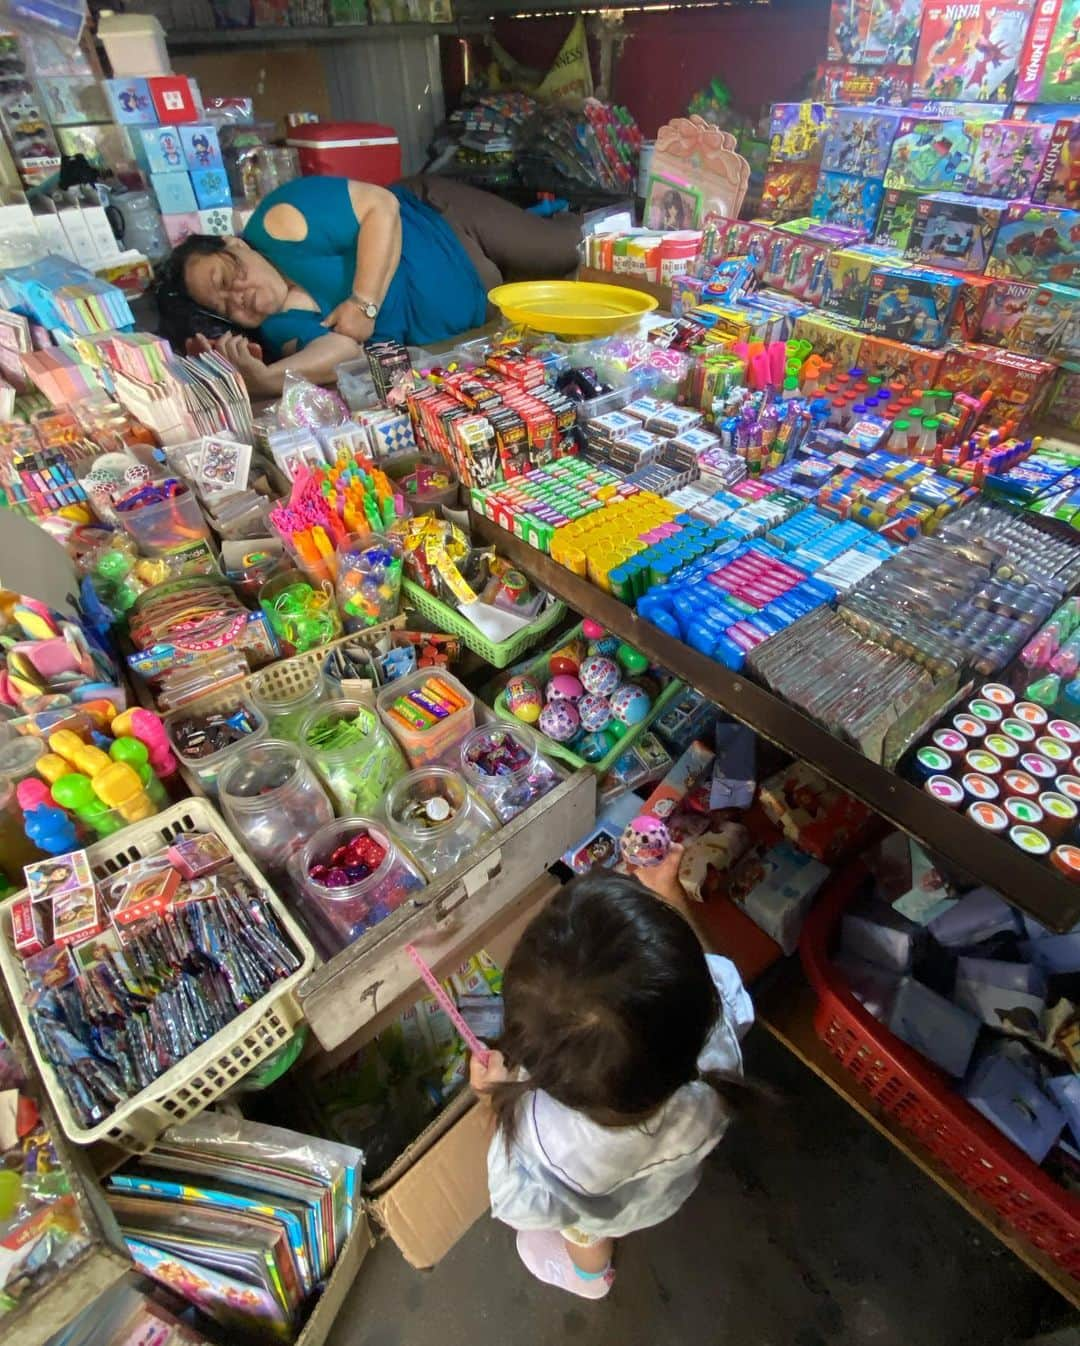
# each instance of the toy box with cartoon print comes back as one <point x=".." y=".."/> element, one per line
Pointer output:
<point x="876" y="33"/>
<point x="796" y="266"/>
<point x="971" y="300"/>
<point x="896" y="218"/>
<point x="913" y="365"/>
<point x="931" y="154"/>
<point x="1017" y="384"/>
<point x="859" y="140"/>
<point x="970" y="51"/>
<point x="1050" y="329"/>
<point x="1007" y="158"/>
<point x="1005" y="312"/>
<point x="847" y="200"/>
<point x="847" y="277"/>
<point x="833" y="338"/>
<point x="954" y="231"/>
<point x="788" y="190"/>
<point x="797" y="132"/>
<point x="905" y="304"/>
<point x="1050" y="66"/>
<point x="885" y="85"/>
<point x="1063" y="406"/>
<point x="1058" y="183"/>
<point x="1037" y="243"/>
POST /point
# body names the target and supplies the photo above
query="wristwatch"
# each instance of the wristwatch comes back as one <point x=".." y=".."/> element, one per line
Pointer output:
<point x="366" y="307"/>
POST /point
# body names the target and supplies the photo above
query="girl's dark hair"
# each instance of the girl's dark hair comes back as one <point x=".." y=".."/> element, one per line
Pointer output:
<point x="608" y="1004"/>
<point x="179" y="316"/>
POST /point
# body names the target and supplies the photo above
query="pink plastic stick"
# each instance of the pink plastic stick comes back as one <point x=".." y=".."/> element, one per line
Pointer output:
<point x="452" y="1012"/>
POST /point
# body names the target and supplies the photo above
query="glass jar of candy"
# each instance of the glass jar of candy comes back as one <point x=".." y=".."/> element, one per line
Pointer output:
<point x="302" y="612"/>
<point x="438" y="818"/>
<point x="349" y="876"/>
<point x="354" y="754"/>
<point x="368" y="579"/>
<point x="505" y="767"/>
<point x="273" y="800"/>
<point x="286" y="707"/>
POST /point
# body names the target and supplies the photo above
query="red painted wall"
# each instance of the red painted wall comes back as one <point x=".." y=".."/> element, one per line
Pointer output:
<point x="764" y="54"/>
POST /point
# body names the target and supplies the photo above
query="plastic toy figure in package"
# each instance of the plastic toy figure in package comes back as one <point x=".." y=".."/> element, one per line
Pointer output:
<point x="931" y="154"/>
<point x="1037" y="243"/>
<point x="845" y="199"/>
<point x="874" y="32"/>
<point x="1007" y="159"/>
<point x="906" y="306"/>
<point x="859" y="140"/>
<point x="1059" y="178"/>
<point x="896" y="218"/>
<point x="888" y="85"/>
<point x="971" y="51"/>
<point x="955" y="231"/>
<point x="796" y="132"/>
<point x="1050" y="66"/>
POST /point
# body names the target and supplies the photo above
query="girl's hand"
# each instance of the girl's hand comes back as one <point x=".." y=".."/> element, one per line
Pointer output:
<point x="349" y="320"/>
<point x="483" y="1078"/>
<point x="663" y="879"/>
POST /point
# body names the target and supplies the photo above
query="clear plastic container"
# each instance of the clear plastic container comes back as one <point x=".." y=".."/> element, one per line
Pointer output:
<point x="273" y="800"/>
<point x="19" y="758"/>
<point x="207" y="769"/>
<point x="438" y="819"/>
<point x="505" y="767"/>
<point x="368" y="579"/>
<point x="286" y="711"/>
<point x="427" y="735"/>
<point x="356" y="385"/>
<point x="356" y="768"/>
<point x="175" y="523"/>
<point x="301" y="611"/>
<point x="343" y="913"/>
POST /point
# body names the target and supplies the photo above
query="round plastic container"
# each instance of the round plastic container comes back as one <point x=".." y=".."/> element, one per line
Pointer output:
<point x="273" y="800"/>
<point x="505" y="767"/>
<point x="438" y="819"/>
<point x="368" y="579"/>
<point x="302" y="612"/>
<point x="429" y="712"/>
<point x="357" y="766"/>
<point x="206" y="769"/>
<point x="170" y="526"/>
<point x="345" y="912"/>
<point x="286" y="712"/>
<point x="19" y="757"/>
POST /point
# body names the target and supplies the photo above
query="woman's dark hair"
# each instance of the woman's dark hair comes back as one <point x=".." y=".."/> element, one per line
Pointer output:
<point x="179" y="316"/>
<point x="608" y="1004"/>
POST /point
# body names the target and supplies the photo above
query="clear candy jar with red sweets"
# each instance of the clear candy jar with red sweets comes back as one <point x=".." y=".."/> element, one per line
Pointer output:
<point x="350" y="875"/>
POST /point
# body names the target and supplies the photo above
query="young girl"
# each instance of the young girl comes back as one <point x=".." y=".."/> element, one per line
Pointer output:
<point x="620" y="1054"/>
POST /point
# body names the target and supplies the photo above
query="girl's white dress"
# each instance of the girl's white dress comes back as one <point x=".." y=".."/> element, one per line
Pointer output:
<point x="566" y="1172"/>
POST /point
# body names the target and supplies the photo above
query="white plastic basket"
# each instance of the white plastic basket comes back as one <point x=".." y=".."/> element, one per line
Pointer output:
<point x="206" y="1073"/>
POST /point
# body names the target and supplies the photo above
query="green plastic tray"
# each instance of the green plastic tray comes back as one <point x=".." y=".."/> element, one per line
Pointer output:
<point x="539" y="670"/>
<point x="501" y="655"/>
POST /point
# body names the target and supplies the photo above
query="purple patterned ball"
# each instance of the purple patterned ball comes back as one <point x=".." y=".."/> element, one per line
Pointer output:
<point x="630" y="703"/>
<point x="560" y="720"/>
<point x="600" y="675"/>
<point x="645" y="841"/>
<point x="595" y="712"/>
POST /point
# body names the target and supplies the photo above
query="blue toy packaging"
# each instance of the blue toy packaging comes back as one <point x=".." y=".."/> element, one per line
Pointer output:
<point x="845" y="199"/>
<point x="910" y="306"/>
<point x="859" y="140"/>
<point x="954" y="231"/>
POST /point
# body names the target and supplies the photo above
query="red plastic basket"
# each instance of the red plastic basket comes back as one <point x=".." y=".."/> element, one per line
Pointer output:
<point x="923" y="1101"/>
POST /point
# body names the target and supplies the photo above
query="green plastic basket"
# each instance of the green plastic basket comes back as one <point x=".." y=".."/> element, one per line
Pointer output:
<point x="540" y="670"/>
<point x="501" y="655"/>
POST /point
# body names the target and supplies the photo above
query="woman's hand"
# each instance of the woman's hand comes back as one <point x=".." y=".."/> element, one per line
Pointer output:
<point x="349" y="319"/>
<point x="482" y="1077"/>
<point x="247" y="357"/>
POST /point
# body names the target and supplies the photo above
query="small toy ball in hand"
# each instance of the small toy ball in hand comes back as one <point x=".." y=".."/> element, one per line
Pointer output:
<point x="560" y="720"/>
<point x="523" y="699"/>
<point x="599" y="675"/>
<point x="564" y="687"/>
<point x="595" y="712"/>
<point x="592" y="630"/>
<point x="645" y="841"/>
<point x="630" y="703"/>
<point x="632" y="660"/>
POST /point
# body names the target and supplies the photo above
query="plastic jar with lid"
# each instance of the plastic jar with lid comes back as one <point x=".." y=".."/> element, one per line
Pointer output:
<point x="207" y="768"/>
<point x="354" y="754"/>
<point x="368" y="579"/>
<point x="286" y="707"/>
<point x="428" y="712"/>
<point x="301" y="611"/>
<point x="505" y="767"/>
<point x="19" y="757"/>
<point x="342" y="911"/>
<point x="272" y="800"/>
<point x="438" y="819"/>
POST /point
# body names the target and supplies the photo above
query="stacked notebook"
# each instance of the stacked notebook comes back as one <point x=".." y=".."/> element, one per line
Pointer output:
<point x="189" y="397"/>
<point x="246" y="1221"/>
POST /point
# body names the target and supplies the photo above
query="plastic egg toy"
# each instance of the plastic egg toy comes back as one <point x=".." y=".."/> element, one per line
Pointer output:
<point x="608" y="646"/>
<point x="592" y="630"/>
<point x="600" y="675"/>
<point x="633" y="661"/>
<point x="595" y="712"/>
<point x="523" y="699"/>
<point x="560" y="721"/>
<point x="594" y="746"/>
<point x="567" y="659"/>
<point x="564" y="687"/>
<point x="645" y="841"/>
<point x="630" y="704"/>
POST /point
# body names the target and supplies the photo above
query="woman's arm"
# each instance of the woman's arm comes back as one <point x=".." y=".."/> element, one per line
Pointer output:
<point x="378" y="251"/>
<point x="317" y="361"/>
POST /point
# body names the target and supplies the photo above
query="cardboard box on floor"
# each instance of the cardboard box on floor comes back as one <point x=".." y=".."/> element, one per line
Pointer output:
<point x="437" y="1187"/>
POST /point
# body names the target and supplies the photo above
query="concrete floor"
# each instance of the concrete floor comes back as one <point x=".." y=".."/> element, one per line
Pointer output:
<point x="808" y="1229"/>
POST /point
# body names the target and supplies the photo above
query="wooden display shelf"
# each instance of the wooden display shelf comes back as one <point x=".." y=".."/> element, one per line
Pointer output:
<point x="785" y="1005"/>
<point x="1031" y="885"/>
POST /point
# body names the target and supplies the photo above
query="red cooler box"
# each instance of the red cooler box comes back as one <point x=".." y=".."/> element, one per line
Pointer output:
<point x="365" y="151"/>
